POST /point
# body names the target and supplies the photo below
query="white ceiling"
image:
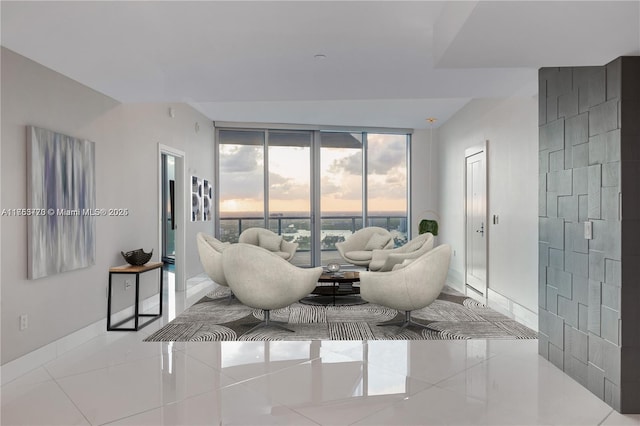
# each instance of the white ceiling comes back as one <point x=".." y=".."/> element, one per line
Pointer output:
<point x="388" y="64"/>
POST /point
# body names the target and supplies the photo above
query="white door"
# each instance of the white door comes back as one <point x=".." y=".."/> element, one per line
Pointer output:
<point x="476" y="225"/>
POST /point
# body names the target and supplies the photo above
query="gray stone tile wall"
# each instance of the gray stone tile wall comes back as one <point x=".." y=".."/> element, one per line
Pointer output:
<point x="589" y="289"/>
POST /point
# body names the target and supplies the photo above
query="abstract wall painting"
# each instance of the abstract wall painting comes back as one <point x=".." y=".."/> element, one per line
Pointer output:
<point x="196" y="199"/>
<point x="201" y="193"/>
<point x="61" y="198"/>
<point x="206" y="200"/>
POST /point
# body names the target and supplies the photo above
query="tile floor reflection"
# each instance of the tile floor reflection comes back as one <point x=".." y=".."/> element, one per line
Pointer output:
<point x="117" y="379"/>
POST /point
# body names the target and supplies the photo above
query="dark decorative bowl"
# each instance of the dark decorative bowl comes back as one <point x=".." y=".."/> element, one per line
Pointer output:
<point x="137" y="257"/>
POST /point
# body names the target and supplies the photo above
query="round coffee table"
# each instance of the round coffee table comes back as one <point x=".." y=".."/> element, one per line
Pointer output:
<point x="341" y="291"/>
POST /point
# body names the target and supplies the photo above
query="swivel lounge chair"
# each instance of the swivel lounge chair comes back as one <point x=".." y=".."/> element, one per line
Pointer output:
<point x="263" y="280"/>
<point x="269" y="240"/>
<point x="408" y="287"/>
<point x="385" y="260"/>
<point x="210" y="251"/>
<point x="358" y="248"/>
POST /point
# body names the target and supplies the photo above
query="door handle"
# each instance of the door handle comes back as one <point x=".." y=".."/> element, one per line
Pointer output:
<point x="481" y="230"/>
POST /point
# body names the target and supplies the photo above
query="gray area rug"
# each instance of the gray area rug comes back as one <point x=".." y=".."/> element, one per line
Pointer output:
<point x="451" y="316"/>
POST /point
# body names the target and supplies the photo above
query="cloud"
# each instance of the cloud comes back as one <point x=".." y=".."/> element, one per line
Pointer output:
<point x="249" y="185"/>
<point x="382" y="157"/>
<point x="240" y="158"/>
<point x="387" y="167"/>
<point x="241" y="185"/>
<point x="283" y="188"/>
<point x="396" y="177"/>
<point x="351" y="164"/>
<point x="328" y="186"/>
<point x="348" y="187"/>
<point x="241" y="169"/>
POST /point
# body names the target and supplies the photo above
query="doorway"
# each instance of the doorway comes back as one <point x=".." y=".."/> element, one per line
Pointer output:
<point x="172" y="211"/>
<point x="476" y="235"/>
<point x="168" y="208"/>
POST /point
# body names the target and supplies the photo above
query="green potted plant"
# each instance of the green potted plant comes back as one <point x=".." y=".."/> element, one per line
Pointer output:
<point x="427" y="225"/>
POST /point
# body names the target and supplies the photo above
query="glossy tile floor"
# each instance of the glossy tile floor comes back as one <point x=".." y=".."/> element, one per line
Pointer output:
<point x="117" y="379"/>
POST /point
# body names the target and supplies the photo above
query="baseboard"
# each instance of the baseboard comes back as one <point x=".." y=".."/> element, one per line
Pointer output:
<point x="512" y="309"/>
<point x="197" y="280"/>
<point x="38" y="357"/>
<point x="455" y="280"/>
<point x="47" y="353"/>
<point x="456" y="286"/>
<point x="495" y="300"/>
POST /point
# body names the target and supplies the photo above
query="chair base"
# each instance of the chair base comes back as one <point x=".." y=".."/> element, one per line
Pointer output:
<point x="268" y="323"/>
<point x="404" y="324"/>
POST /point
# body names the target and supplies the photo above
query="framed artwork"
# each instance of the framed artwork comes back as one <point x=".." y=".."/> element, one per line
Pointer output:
<point x="206" y="200"/>
<point x="201" y="192"/>
<point x="196" y="199"/>
<point x="61" y="200"/>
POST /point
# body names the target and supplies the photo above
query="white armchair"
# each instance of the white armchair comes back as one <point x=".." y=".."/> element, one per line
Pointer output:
<point x="385" y="260"/>
<point x="358" y="247"/>
<point x="210" y="251"/>
<point x="269" y="240"/>
<point x="410" y="287"/>
<point x="263" y="280"/>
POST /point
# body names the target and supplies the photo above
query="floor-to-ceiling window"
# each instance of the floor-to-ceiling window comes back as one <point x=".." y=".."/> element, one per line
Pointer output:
<point x="341" y="190"/>
<point x="313" y="187"/>
<point x="241" y="180"/>
<point x="387" y="203"/>
<point x="289" y="189"/>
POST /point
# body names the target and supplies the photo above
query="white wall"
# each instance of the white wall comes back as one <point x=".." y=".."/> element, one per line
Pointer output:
<point x="424" y="172"/>
<point x="126" y="138"/>
<point x="511" y="127"/>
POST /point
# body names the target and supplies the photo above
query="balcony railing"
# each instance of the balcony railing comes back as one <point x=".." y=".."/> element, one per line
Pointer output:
<point x="334" y="228"/>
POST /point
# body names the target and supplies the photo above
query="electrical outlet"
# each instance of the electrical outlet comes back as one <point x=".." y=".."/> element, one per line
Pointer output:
<point x="24" y="322"/>
<point x="127" y="284"/>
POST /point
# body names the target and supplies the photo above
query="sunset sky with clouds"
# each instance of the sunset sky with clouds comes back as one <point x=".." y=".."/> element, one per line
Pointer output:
<point x="241" y="177"/>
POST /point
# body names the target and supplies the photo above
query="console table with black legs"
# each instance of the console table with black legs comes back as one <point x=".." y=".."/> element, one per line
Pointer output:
<point x="134" y="270"/>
